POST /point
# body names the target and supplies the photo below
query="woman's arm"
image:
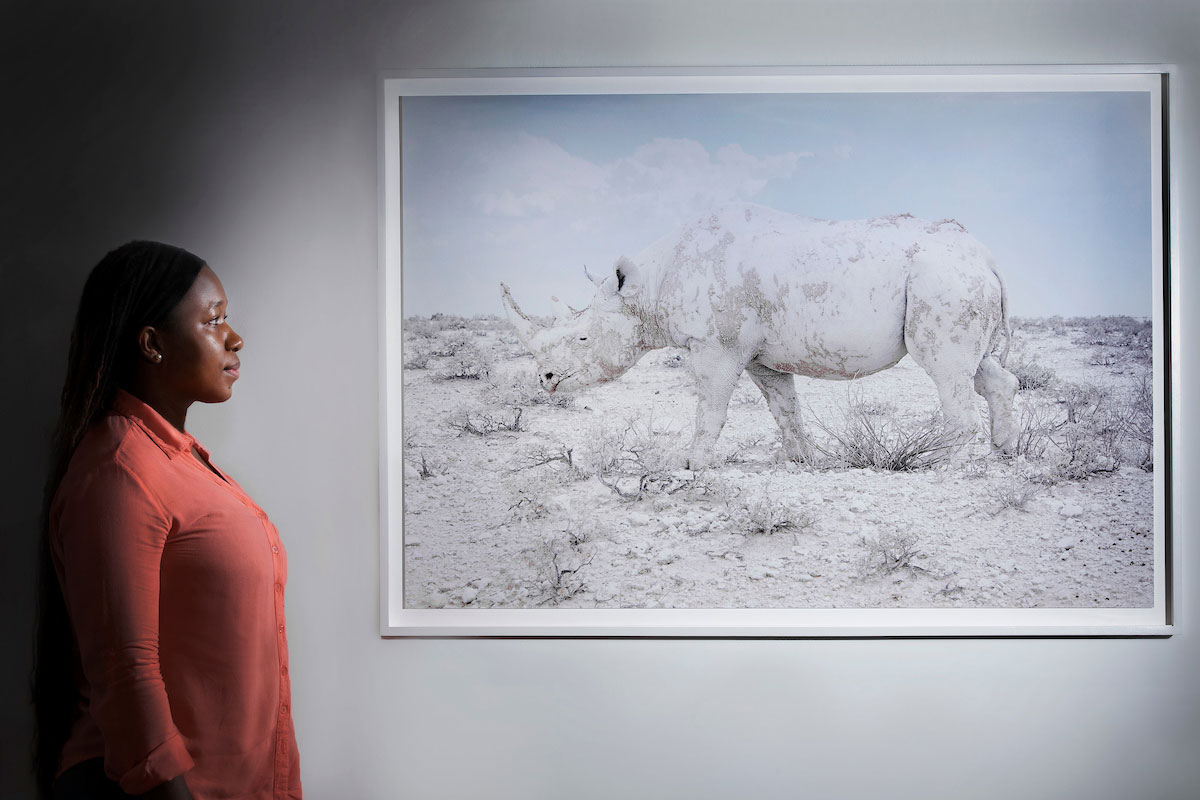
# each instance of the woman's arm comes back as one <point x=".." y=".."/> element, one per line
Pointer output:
<point x="109" y="538"/>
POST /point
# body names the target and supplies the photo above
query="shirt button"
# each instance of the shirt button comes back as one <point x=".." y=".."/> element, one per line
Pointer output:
<point x="274" y="548"/>
<point x="285" y="669"/>
<point x="279" y="587"/>
<point x="281" y="629"/>
<point x="283" y="708"/>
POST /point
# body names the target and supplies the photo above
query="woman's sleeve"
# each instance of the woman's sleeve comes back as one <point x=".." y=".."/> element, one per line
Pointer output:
<point x="111" y="534"/>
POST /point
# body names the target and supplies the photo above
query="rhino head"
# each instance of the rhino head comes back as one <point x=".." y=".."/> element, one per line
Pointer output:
<point x="584" y="348"/>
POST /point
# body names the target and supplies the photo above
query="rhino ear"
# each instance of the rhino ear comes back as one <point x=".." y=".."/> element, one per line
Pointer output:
<point x="562" y="311"/>
<point x="595" y="279"/>
<point x="629" y="282"/>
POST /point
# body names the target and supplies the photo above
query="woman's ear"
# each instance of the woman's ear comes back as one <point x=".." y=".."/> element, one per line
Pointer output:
<point x="150" y="345"/>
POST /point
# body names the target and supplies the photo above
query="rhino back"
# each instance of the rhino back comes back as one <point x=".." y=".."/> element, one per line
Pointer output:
<point x="816" y="297"/>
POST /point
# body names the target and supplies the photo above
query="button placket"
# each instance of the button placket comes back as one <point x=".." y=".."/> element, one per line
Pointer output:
<point x="283" y="725"/>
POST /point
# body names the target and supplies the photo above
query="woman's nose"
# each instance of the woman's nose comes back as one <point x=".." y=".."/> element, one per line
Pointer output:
<point x="233" y="341"/>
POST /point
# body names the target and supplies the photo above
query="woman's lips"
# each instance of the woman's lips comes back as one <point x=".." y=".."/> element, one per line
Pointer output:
<point x="233" y="369"/>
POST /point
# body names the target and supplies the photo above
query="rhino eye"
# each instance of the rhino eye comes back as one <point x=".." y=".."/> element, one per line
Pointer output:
<point x="583" y="338"/>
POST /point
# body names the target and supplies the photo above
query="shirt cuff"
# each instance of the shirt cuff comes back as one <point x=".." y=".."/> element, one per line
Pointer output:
<point x="169" y="760"/>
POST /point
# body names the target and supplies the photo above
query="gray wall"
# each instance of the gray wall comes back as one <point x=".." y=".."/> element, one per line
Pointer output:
<point x="248" y="134"/>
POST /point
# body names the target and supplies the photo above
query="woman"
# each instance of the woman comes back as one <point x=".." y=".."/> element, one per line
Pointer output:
<point x="162" y="665"/>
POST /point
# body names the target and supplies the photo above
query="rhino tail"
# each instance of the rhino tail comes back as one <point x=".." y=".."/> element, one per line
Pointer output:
<point x="1004" y="321"/>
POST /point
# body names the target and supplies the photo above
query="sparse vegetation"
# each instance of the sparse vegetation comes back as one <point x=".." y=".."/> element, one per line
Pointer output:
<point x="524" y="391"/>
<point x="1116" y="332"/>
<point x="581" y="499"/>
<point x="1091" y="440"/>
<point x="529" y="506"/>
<point x="559" y="454"/>
<point x="425" y="470"/>
<point x="559" y="562"/>
<point x="637" y="459"/>
<point x="1014" y="492"/>
<point x="1140" y="423"/>
<point x="869" y="440"/>
<point x="416" y="358"/>
<point x="1037" y="422"/>
<point x="890" y="552"/>
<point x="1030" y="374"/>
<point x="465" y="361"/>
<point x="483" y="421"/>
<point x="765" y="514"/>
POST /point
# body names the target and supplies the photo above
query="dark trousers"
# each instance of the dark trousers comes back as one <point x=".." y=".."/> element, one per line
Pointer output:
<point x="87" y="781"/>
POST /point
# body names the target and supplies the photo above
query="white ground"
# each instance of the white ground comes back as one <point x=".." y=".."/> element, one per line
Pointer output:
<point x="486" y="526"/>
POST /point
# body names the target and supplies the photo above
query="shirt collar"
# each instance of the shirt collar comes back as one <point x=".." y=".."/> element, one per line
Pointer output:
<point x="172" y="440"/>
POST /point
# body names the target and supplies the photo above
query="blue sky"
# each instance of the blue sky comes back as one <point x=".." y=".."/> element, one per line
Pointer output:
<point x="528" y="189"/>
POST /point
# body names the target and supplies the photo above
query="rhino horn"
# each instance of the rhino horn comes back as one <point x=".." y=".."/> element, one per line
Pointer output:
<point x="526" y="327"/>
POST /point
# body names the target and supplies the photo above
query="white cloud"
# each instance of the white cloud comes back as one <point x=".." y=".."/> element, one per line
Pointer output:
<point x="542" y="212"/>
<point x="532" y="176"/>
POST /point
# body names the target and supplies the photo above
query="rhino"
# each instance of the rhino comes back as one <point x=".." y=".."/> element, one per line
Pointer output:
<point x="751" y="289"/>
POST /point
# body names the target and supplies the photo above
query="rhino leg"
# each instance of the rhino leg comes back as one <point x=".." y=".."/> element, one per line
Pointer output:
<point x="779" y="389"/>
<point x="954" y="378"/>
<point x="948" y="325"/>
<point x="716" y="371"/>
<point x="958" y="407"/>
<point x="998" y="386"/>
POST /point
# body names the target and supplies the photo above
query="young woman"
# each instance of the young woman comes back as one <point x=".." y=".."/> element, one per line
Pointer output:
<point x="162" y="664"/>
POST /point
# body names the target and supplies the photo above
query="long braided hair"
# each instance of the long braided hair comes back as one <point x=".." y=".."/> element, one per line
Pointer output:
<point x="135" y="285"/>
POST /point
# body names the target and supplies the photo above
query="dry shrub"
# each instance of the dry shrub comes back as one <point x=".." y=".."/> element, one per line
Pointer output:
<point x="558" y="455"/>
<point x="890" y="552"/>
<point x="417" y="358"/>
<point x="489" y="322"/>
<point x="1091" y="440"/>
<point x="1014" y="492"/>
<point x="637" y="459"/>
<point x="765" y="514"/>
<point x="518" y="391"/>
<point x="1031" y="375"/>
<point x="419" y="328"/>
<point x="558" y="563"/>
<point x="467" y="362"/>
<point x="485" y="420"/>
<point x="1141" y="419"/>
<point x="1038" y="422"/>
<point x="869" y="440"/>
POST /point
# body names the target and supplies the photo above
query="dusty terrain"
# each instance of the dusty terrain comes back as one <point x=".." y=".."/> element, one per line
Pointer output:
<point x="518" y="499"/>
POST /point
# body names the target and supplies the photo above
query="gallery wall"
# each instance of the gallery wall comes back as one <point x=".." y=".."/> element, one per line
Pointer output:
<point x="246" y="132"/>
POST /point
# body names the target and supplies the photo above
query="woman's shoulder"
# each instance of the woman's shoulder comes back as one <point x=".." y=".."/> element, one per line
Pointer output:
<point x="114" y="452"/>
<point x="113" y="441"/>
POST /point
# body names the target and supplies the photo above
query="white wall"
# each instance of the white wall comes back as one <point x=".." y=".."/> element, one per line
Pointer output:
<point x="248" y="134"/>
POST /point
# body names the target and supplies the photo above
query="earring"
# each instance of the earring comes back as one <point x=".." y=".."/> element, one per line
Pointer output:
<point x="158" y="357"/>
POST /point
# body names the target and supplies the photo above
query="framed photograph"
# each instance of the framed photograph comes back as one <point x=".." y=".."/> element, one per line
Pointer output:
<point x="776" y="352"/>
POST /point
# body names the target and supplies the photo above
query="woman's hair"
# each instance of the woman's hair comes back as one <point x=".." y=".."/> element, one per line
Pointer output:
<point x="136" y="285"/>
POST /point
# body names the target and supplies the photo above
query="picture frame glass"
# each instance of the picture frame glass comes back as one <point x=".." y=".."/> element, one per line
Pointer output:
<point x="598" y="289"/>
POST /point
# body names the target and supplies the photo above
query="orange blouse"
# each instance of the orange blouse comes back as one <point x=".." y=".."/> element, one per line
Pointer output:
<point x="174" y="581"/>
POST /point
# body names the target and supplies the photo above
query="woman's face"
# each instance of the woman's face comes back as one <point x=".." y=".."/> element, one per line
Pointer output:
<point x="199" y="348"/>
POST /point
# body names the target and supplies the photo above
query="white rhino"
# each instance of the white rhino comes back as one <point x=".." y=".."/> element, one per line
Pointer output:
<point x="776" y="295"/>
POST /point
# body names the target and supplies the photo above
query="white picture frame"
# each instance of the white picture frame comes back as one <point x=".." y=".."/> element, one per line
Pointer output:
<point x="400" y="620"/>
